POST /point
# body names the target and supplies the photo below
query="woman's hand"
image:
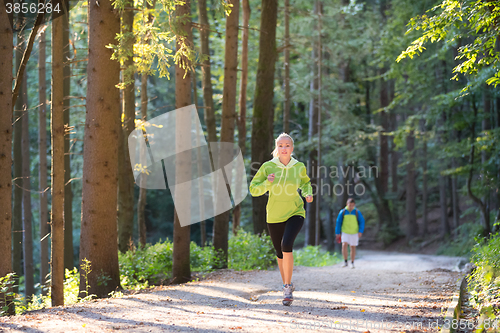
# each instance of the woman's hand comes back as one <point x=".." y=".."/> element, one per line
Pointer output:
<point x="270" y="177"/>
<point x="309" y="198"/>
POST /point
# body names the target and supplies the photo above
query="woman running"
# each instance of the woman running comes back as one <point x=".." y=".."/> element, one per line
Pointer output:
<point x="285" y="208"/>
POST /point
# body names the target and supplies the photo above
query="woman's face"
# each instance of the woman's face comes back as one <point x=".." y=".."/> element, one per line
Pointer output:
<point x="285" y="147"/>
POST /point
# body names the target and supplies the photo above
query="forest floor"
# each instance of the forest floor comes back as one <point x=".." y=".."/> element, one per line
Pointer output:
<point x="386" y="292"/>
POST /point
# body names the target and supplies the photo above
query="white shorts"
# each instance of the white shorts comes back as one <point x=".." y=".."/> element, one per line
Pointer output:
<point x="351" y="239"/>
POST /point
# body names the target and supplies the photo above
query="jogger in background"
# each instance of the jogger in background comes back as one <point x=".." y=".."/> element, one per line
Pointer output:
<point x="285" y="209"/>
<point x="351" y="223"/>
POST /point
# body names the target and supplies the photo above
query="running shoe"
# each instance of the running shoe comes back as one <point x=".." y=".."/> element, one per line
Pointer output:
<point x="293" y="286"/>
<point x="344" y="265"/>
<point x="287" y="295"/>
<point x="352" y="265"/>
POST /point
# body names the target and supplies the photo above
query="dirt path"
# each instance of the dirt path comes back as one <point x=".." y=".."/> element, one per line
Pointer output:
<point x="386" y="292"/>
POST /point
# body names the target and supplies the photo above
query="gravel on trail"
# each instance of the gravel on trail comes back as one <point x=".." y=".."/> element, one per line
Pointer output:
<point x="386" y="292"/>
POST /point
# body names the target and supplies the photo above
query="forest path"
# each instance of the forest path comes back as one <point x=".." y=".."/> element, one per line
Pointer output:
<point x="386" y="292"/>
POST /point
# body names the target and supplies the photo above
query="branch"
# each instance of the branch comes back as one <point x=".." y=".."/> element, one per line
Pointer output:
<point x="26" y="56"/>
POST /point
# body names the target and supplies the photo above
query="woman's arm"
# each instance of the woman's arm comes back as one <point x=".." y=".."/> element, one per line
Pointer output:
<point x="305" y="183"/>
<point x="259" y="184"/>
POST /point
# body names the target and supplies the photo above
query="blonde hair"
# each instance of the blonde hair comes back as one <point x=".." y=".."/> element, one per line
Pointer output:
<point x="275" y="151"/>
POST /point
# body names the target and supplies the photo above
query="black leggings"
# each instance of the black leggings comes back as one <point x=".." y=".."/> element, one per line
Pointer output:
<point x="283" y="234"/>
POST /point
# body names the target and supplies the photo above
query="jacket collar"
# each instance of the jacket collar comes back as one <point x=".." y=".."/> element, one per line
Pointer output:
<point x="292" y="162"/>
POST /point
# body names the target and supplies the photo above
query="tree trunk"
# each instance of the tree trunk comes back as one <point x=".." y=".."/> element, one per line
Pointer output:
<point x="206" y="74"/>
<point x="486" y="126"/>
<point x="383" y="139"/>
<point x="241" y="120"/>
<point x="57" y="163"/>
<point x="6" y="51"/>
<point x="411" y="189"/>
<point x="181" y="270"/>
<point x="318" y="172"/>
<point x="42" y="148"/>
<point x="425" y="221"/>
<point x="68" y="192"/>
<point x="310" y="221"/>
<point x="286" y="108"/>
<point x="445" y="227"/>
<point x="141" y="204"/>
<point x="29" y="284"/>
<point x="485" y="216"/>
<point x="263" y="104"/>
<point x="126" y="177"/>
<point x="99" y="235"/>
<point x="17" y="232"/>
<point x="394" y="163"/>
<point x="221" y="221"/>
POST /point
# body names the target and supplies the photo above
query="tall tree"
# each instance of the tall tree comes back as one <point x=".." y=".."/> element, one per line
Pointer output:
<point x="286" y="107"/>
<point x="57" y="163"/>
<point x="29" y="285"/>
<point x="141" y="202"/>
<point x="68" y="193"/>
<point x="126" y="177"/>
<point x="310" y="221"/>
<point x="6" y="51"/>
<point x="263" y="103"/>
<point x="411" y="189"/>
<point x="241" y="120"/>
<point x="221" y="221"/>
<point x="318" y="172"/>
<point x="425" y="213"/>
<point x="17" y="223"/>
<point x="181" y="270"/>
<point x="98" y="238"/>
<point x="42" y="173"/>
<point x="209" y="111"/>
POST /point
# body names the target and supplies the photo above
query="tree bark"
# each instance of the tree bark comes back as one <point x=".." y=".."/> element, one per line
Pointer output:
<point x="241" y="120"/>
<point x="141" y="204"/>
<point x="286" y="108"/>
<point x="425" y="221"/>
<point x="411" y="189"/>
<point x="221" y="221"/>
<point x="310" y="221"/>
<point x="126" y="177"/>
<point x="485" y="216"/>
<point x="17" y="232"/>
<point x="181" y="270"/>
<point x="57" y="163"/>
<point x="68" y="192"/>
<point x="318" y="172"/>
<point x="6" y="51"/>
<point x="42" y="148"/>
<point x="29" y="284"/>
<point x="383" y="139"/>
<point x="206" y="73"/>
<point x="99" y="235"/>
<point x="263" y="104"/>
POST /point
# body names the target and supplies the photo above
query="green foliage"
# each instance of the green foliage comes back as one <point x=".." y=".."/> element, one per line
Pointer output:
<point x="313" y="256"/>
<point x="484" y="282"/>
<point x="6" y="292"/>
<point x="248" y="251"/>
<point x="471" y="23"/>
<point x="151" y="264"/>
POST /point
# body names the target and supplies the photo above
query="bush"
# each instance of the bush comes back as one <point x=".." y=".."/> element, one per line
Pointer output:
<point x="248" y="251"/>
<point x="314" y="256"/>
<point x="484" y="282"/>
